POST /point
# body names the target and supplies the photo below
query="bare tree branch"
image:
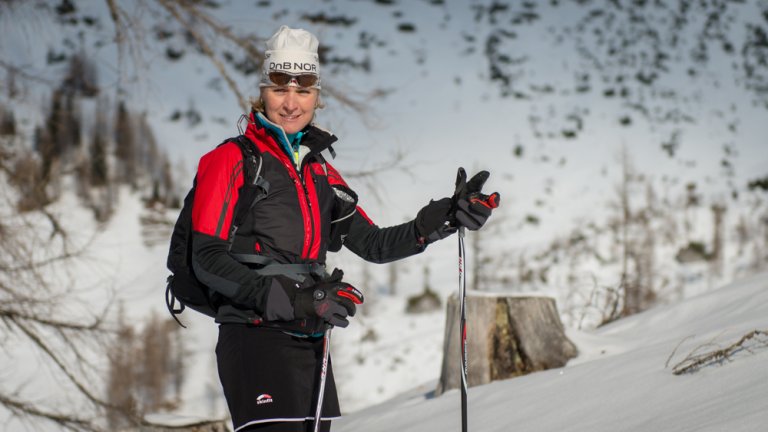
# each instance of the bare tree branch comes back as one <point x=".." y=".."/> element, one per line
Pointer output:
<point x="208" y="51"/>
<point x="56" y="359"/>
<point x="67" y="421"/>
<point x="369" y="176"/>
<point x="52" y="323"/>
<point x="31" y="308"/>
<point x="694" y="361"/>
<point x="246" y="43"/>
<point x="115" y="15"/>
<point x="24" y="73"/>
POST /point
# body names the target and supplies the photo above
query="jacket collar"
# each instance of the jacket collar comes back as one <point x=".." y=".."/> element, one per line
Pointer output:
<point x="315" y="138"/>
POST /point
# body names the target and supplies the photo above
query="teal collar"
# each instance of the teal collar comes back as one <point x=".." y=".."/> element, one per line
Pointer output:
<point x="295" y="140"/>
<point x="289" y="142"/>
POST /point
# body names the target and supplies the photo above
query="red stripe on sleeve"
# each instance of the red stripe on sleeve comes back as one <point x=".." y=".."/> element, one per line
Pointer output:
<point x="334" y="178"/>
<point x="364" y="215"/>
<point x="219" y="178"/>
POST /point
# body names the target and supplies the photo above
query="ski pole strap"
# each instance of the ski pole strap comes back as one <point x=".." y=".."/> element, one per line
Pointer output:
<point x="170" y="301"/>
<point x="268" y="267"/>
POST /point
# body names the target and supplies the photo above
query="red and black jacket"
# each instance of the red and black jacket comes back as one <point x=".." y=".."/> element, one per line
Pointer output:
<point x="291" y="225"/>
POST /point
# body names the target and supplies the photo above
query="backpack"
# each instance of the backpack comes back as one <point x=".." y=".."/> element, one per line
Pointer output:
<point x="182" y="285"/>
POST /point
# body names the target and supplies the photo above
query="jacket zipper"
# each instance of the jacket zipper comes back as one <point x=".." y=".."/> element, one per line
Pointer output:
<point x="306" y="205"/>
<point x="311" y="234"/>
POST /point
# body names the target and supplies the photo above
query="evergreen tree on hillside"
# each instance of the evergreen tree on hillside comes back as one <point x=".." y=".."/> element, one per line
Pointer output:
<point x="99" y="168"/>
<point x="82" y="76"/>
<point x="125" y="146"/>
<point x="46" y="137"/>
<point x="7" y="122"/>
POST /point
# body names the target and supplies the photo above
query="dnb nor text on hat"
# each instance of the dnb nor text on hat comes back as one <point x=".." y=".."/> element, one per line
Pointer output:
<point x="291" y="51"/>
<point x="289" y="67"/>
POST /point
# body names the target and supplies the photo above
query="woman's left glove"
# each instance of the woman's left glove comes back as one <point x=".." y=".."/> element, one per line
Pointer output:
<point x="332" y="300"/>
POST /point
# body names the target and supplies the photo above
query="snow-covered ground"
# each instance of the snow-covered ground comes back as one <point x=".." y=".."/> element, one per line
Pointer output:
<point x="621" y="381"/>
<point x="387" y="362"/>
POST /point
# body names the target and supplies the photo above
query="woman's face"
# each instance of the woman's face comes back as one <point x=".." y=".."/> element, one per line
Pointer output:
<point x="290" y="107"/>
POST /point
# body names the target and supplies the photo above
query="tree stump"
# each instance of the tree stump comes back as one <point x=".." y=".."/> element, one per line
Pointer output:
<point x="507" y="336"/>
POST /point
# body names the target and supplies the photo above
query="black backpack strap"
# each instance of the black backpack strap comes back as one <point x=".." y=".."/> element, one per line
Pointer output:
<point x="252" y="163"/>
<point x="252" y="259"/>
<point x="255" y="187"/>
<point x="267" y="267"/>
<point x="170" y="301"/>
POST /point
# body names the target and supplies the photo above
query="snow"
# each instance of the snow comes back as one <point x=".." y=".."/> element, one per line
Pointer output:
<point x="620" y="381"/>
<point x="387" y="362"/>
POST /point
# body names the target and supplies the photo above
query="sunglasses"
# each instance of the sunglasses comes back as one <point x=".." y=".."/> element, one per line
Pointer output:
<point x="282" y="78"/>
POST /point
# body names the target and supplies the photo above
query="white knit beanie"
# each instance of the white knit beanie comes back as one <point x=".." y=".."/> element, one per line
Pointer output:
<point x="292" y="51"/>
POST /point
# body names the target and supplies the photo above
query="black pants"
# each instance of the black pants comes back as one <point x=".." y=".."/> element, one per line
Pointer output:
<point x="270" y="379"/>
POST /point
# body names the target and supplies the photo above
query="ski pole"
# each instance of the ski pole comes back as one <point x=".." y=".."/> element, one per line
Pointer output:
<point x="463" y="329"/>
<point x="323" y="376"/>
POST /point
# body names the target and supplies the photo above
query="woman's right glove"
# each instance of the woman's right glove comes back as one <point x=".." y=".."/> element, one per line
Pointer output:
<point x="332" y="300"/>
<point x="433" y="222"/>
<point x="471" y="207"/>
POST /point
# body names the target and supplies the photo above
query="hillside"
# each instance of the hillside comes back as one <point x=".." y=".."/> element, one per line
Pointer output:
<point x="386" y="352"/>
<point x="621" y="380"/>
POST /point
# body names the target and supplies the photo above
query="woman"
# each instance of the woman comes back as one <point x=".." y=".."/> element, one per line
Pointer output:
<point x="276" y="296"/>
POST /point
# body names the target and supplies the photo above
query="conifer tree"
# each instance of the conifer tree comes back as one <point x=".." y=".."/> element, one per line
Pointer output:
<point x="99" y="169"/>
<point x="125" y="146"/>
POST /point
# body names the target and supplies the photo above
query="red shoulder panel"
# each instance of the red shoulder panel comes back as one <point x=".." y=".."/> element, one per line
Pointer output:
<point x="219" y="178"/>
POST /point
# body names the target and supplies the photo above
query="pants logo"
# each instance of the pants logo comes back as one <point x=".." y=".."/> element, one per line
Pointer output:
<point x="264" y="398"/>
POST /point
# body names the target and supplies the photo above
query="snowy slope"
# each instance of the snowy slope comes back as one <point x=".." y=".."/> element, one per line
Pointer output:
<point x="618" y="378"/>
<point x="620" y="381"/>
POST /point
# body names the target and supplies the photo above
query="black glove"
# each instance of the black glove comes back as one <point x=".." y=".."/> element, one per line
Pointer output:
<point x="470" y="207"/>
<point x="332" y="300"/>
<point x="433" y="221"/>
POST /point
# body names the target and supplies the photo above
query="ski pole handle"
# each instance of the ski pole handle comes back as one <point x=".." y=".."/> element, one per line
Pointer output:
<point x="491" y="201"/>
